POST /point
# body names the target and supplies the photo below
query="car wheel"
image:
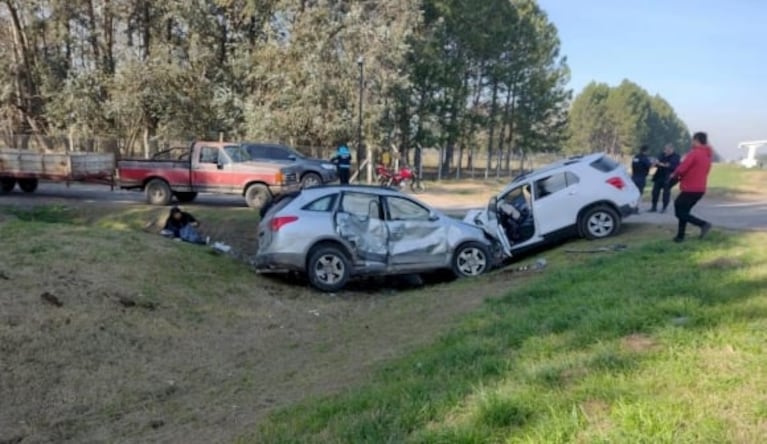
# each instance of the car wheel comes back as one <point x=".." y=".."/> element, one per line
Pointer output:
<point x="471" y="259"/>
<point x="328" y="269"/>
<point x="257" y="195"/>
<point x="599" y="222"/>
<point x="158" y="192"/>
<point x="311" y="180"/>
<point x="186" y="196"/>
<point x="28" y="185"/>
<point x="7" y="184"/>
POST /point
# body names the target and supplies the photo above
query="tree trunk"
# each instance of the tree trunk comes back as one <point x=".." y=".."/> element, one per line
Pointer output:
<point x="510" y="137"/>
<point x="501" y="133"/>
<point x="147" y="28"/>
<point x="491" y="129"/>
<point x="93" y="37"/>
<point x="477" y="95"/>
<point x="109" y="39"/>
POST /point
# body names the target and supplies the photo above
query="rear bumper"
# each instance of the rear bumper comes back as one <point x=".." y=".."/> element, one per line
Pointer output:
<point x="279" y="262"/>
<point x="628" y="210"/>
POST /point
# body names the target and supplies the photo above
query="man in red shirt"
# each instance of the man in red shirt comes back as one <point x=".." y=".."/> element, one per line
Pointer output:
<point x="692" y="174"/>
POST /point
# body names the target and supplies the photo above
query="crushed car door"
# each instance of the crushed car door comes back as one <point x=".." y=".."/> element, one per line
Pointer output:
<point x="415" y="236"/>
<point x="359" y="220"/>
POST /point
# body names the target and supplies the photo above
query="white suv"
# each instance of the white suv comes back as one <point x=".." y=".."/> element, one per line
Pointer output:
<point x="586" y="196"/>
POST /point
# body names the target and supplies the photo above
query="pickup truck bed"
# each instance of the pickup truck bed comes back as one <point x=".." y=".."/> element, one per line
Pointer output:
<point x="26" y="168"/>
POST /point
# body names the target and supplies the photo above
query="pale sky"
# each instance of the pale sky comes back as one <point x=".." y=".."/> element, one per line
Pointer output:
<point x="708" y="58"/>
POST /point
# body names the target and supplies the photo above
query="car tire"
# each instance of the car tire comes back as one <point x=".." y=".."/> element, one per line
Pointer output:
<point x="328" y="269"/>
<point x="158" y="192"/>
<point x="599" y="222"/>
<point x="257" y="196"/>
<point x="28" y="185"/>
<point x="185" y="196"/>
<point x="7" y="184"/>
<point x="471" y="259"/>
<point x="311" y="180"/>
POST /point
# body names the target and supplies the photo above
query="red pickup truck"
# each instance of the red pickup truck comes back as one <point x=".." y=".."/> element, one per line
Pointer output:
<point x="208" y="167"/>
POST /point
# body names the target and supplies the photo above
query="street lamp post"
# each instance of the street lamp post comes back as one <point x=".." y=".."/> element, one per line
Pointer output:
<point x="360" y="63"/>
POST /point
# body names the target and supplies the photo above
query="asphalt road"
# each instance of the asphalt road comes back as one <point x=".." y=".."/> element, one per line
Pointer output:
<point x="726" y="214"/>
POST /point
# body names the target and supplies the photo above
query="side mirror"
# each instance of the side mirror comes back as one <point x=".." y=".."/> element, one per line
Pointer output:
<point x="433" y="216"/>
<point x="219" y="165"/>
<point x="292" y="157"/>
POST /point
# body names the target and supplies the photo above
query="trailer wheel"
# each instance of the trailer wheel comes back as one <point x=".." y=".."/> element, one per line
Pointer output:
<point x="28" y="185"/>
<point x="257" y="195"/>
<point x="185" y="196"/>
<point x="158" y="192"/>
<point x="7" y="184"/>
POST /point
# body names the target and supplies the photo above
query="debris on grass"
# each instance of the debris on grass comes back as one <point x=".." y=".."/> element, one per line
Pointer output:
<point x="50" y="298"/>
<point x="128" y="302"/>
<point x="616" y="247"/>
<point x="12" y="440"/>
<point x="538" y="265"/>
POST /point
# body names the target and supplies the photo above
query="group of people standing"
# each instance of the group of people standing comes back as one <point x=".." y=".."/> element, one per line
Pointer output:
<point x="691" y="174"/>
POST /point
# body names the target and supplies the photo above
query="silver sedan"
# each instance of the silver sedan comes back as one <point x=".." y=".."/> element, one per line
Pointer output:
<point x="334" y="233"/>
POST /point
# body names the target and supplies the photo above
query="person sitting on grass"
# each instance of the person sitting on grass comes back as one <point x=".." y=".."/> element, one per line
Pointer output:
<point x="182" y="226"/>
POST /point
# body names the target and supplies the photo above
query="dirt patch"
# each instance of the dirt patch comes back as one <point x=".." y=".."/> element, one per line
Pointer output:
<point x="597" y="413"/>
<point x="723" y="263"/>
<point x="638" y="343"/>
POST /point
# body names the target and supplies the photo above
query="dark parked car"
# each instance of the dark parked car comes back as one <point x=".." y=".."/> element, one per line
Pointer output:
<point x="311" y="171"/>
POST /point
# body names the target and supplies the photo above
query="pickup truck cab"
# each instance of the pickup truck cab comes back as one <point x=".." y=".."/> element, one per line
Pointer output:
<point x="207" y="167"/>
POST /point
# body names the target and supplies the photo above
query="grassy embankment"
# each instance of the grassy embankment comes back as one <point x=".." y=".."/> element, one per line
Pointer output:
<point x="664" y="343"/>
<point x="735" y="182"/>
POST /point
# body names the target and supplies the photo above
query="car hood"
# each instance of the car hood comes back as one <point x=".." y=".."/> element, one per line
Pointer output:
<point x="260" y="167"/>
<point x="314" y="161"/>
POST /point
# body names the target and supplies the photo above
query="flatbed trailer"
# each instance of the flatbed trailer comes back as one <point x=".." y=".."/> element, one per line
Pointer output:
<point x="27" y="168"/>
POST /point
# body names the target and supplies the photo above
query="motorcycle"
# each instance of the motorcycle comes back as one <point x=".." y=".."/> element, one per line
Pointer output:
<point x="400" y="179"/>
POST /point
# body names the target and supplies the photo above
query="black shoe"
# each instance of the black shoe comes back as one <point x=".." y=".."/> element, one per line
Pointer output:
<point x="663" y="210"/>
<point x="678" y="239"/>
<point x="652" y="210"/>
<point x="704" y="230"/>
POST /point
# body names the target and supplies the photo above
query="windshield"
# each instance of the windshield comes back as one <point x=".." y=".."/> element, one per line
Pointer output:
<point x="295" y="153"/>
<point x="237" y="153"/>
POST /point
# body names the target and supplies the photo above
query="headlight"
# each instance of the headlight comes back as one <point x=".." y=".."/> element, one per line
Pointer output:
<point x="328" y="166"/>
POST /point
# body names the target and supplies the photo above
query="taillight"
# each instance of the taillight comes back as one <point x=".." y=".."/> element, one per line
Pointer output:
<point x="278" y="222"/>
<point x="617" y="182"/>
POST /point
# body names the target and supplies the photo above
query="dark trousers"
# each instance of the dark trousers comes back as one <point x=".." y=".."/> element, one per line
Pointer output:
<point x="640" y="182"/>
<point x="682" y="207"/>
<point x="657" y="187"/>
<point x="343" y="175"/>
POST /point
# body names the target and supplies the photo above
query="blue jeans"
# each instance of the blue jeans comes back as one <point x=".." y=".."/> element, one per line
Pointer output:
<point x="190" y="234"/>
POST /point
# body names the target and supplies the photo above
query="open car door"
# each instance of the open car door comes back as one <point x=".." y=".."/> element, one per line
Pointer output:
<point x="487" y="219"/>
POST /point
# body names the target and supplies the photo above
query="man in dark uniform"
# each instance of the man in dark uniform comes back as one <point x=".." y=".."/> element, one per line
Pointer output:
<point x="640" y="169"/>
<point x="663" y="169"/>
<point x="343" y="161"/>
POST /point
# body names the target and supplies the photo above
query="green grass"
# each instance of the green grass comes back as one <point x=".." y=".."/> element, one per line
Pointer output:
<point x="733" y="181"/>
<point x="663" y="343"/>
